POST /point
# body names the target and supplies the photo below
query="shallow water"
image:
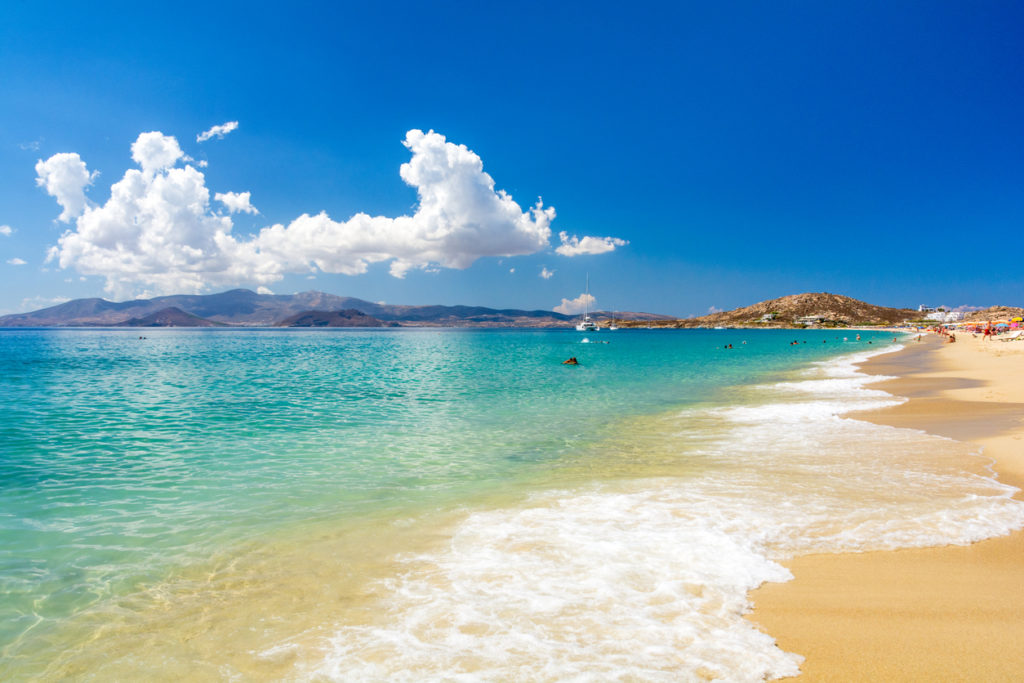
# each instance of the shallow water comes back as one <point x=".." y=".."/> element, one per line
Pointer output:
<point x="409" y="504"/>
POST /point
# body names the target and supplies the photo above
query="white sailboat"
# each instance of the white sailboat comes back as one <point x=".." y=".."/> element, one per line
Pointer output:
<point x="612" y="325"/>
<point x="586" y="325"/>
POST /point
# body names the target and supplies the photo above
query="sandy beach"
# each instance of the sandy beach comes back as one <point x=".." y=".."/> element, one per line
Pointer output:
<point x="950" y="613"/>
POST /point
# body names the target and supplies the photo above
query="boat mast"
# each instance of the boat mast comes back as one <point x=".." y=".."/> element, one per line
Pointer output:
<point x="586" y="301"/>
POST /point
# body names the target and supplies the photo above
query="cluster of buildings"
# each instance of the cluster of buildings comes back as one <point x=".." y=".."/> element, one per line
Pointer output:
<point x="939" y="315"/>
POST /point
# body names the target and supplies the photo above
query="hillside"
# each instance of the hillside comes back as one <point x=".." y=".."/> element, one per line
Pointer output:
<point x="345" y="318"/>
<point x="169" y="317"/>
<point x="830" y="309"/>
<point x="995" y="313"/>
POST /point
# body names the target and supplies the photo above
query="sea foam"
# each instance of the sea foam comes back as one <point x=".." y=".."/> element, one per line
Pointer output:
<point x="648" y="579"/>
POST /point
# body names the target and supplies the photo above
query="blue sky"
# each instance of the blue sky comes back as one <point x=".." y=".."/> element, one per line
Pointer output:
<point x="716" y="154"/>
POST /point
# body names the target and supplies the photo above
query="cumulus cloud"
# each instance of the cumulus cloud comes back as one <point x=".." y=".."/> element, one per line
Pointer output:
<point x="37" y="302"/>
<point x="16" y="261"/>
<point x="545" y="273"/>
<point x="65" y="178"/>
<point x="159" y="231"/>
<point x="577" y="305"/>
<point x="264" y="290"/>
<point x="155" y="151"/>
<point x="217" y="131"/>
<point x="574" y="246"/>
<point x="6" y="230"/>
<point x="237" y="202"/>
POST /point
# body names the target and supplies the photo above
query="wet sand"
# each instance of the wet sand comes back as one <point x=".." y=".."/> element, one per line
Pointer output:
<point x="950" y="613"/>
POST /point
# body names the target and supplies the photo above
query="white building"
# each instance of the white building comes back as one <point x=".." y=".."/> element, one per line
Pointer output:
<point x="945" y="316"/>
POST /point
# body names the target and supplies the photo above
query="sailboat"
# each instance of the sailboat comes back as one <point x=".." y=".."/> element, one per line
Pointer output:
<point x="612" y="325"/>
<point x="586" y="325"/>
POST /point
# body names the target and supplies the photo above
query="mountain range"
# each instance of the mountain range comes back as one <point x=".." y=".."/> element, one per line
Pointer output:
<point x="245" y="308"/>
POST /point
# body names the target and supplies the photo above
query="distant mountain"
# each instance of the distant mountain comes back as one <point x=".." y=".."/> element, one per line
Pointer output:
<point x="347" y="318"/>
<point x="243" y="307"/>
<point x="828" y="309"/>
<point x="169" y="317"/>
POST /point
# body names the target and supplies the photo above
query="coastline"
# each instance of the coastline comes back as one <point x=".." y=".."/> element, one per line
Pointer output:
<point x="947" y="613"/>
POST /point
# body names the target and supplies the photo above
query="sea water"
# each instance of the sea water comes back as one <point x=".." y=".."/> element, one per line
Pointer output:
<point x="442" y="504"/>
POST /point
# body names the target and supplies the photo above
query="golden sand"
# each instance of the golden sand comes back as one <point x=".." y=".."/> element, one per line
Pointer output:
<point x="935" y="614"/>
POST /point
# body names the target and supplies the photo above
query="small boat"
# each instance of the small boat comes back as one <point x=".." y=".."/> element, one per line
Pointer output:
<point x="586" y="325"/>
<point x="612" y="325"/>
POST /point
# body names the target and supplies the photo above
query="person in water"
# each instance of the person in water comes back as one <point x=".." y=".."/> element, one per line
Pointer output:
<point x="571" y="361"/>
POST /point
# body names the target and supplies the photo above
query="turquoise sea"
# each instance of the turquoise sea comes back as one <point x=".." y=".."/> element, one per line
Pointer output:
<point x="421" y="504"/>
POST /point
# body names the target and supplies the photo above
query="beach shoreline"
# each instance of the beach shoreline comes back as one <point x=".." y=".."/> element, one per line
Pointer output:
<point x="946" y="613"/>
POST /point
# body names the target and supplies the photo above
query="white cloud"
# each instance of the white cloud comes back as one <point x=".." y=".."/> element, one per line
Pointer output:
<point x="155" y="151"/>
<point x="37" y="302"/>
<point x="237" y="202"/>
<point x="574" y="246"/>
<point x="545" y="273"/>
<point x="16" y="261"/>
<point x="714" y="309"/>
<point x="65" y="177"/>
<point x="511" y="270"/>
<point x="577" y="305"/>
<point x="158" y="230"/>
<point x="263" y="290"/>
<point x="217" y="131"/>
<point x="6" y="230"/>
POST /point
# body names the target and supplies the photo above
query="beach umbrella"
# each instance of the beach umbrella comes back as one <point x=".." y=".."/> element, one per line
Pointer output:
<point x="1016" y="320"/>
<point x="1002" y="324"/>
